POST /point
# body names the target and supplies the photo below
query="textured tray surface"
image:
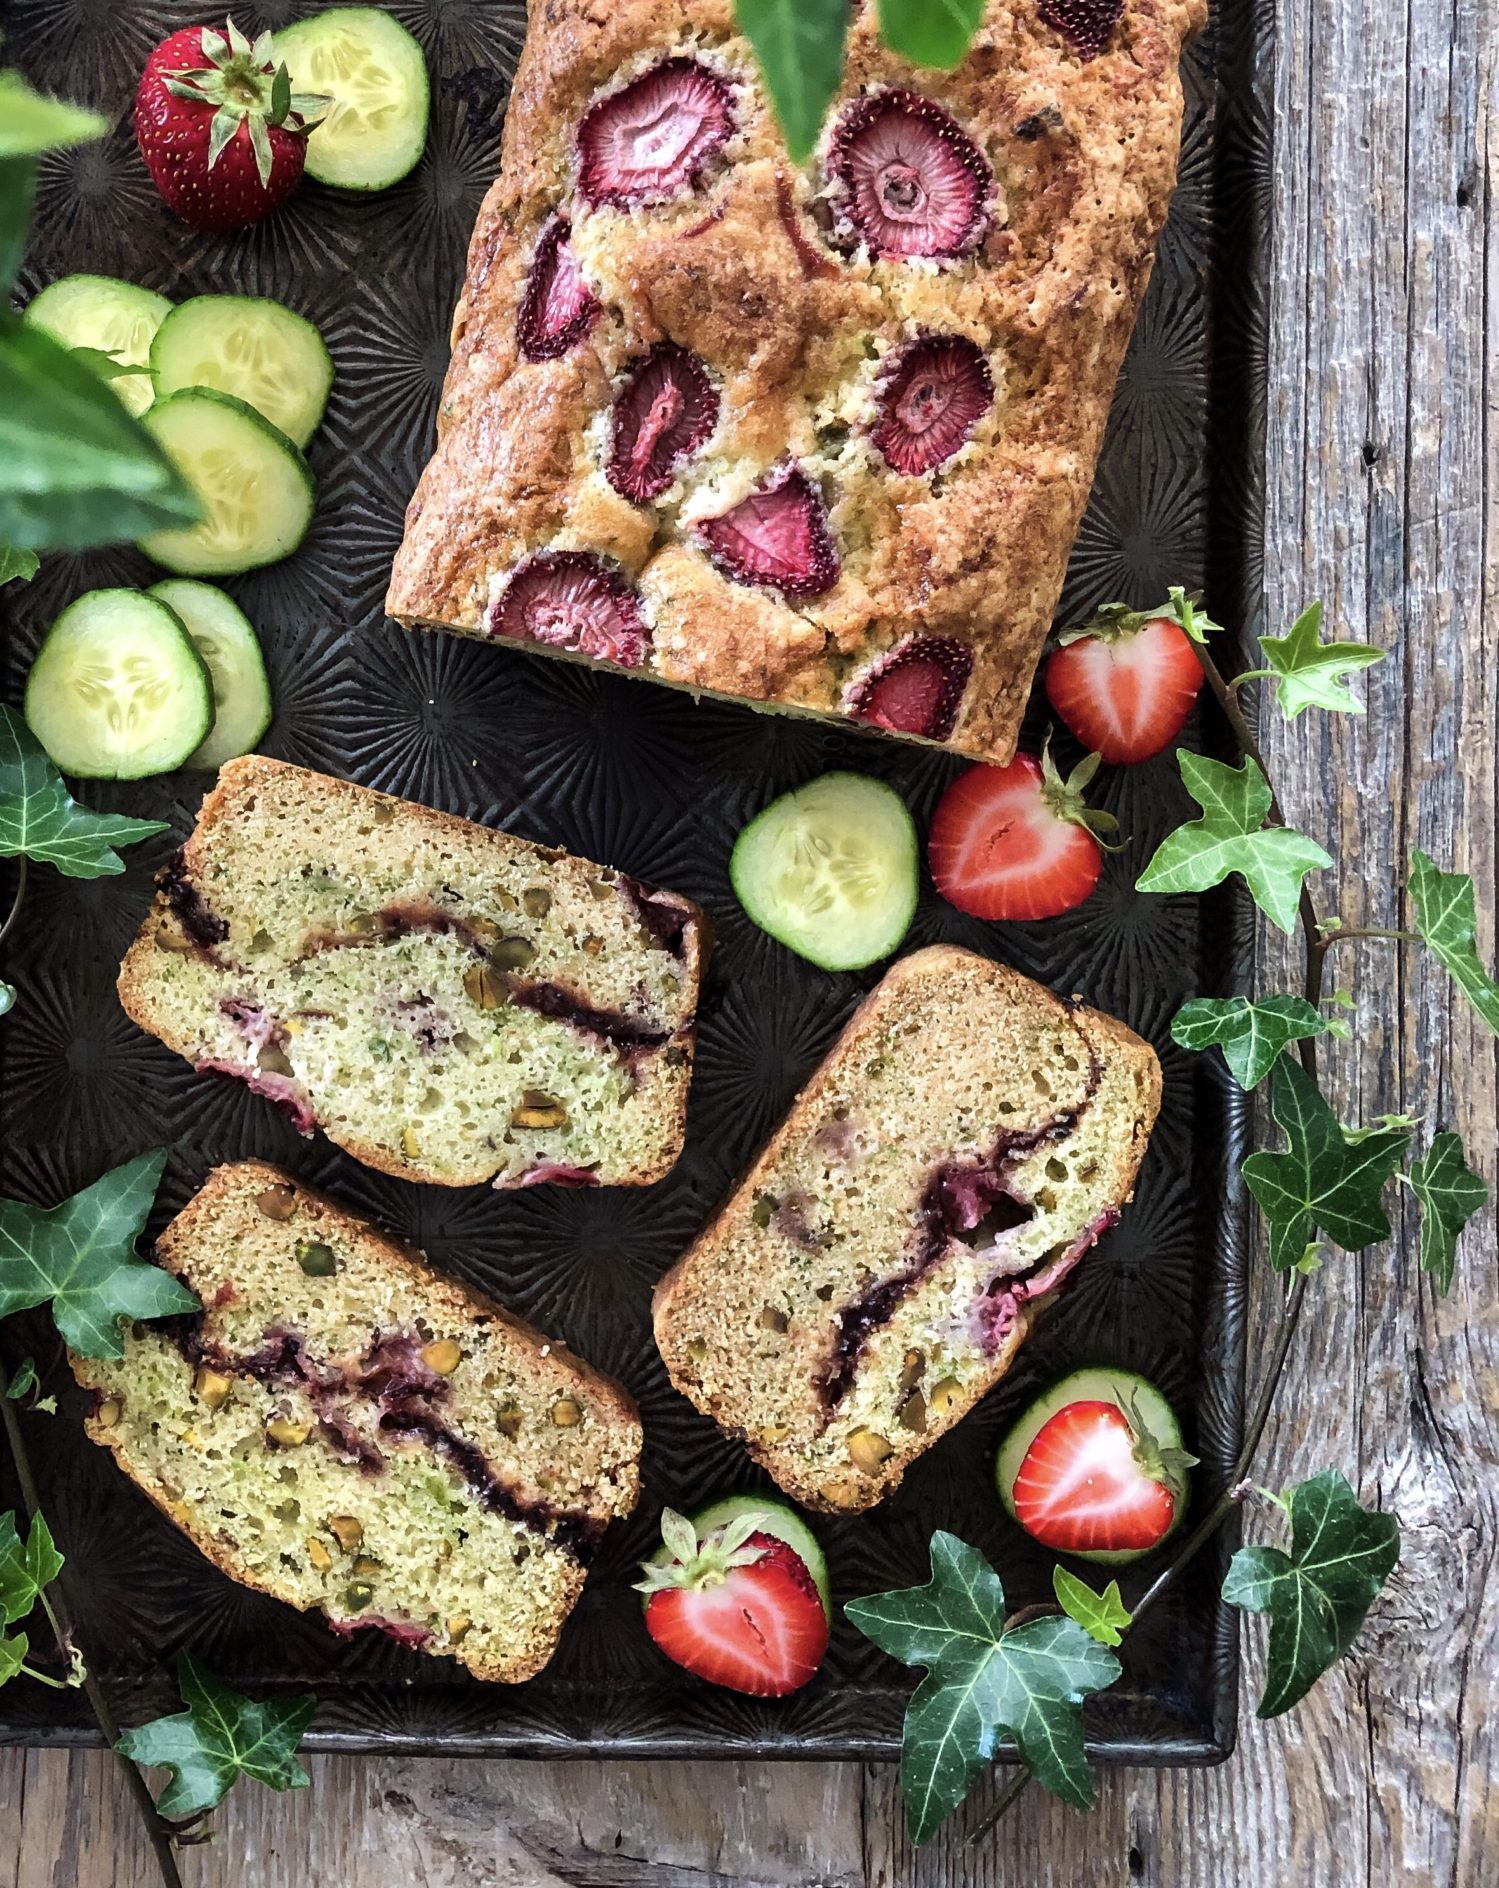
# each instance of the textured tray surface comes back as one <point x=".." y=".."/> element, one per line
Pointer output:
<point x="638" y="776"/>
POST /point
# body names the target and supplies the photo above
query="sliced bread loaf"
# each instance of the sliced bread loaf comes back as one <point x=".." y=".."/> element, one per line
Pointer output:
<point x="447" y="1002"/>
<point x="342" y="1429"/>
<point x="966" y="1140"/>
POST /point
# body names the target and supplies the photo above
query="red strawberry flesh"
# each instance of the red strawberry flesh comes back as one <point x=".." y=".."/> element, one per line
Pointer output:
<point x="558" y="308"/>
<point x="935" y="391"/>
<point x="778" y="537"/>
<point x="912" y="183"/>
<point x="997" y="849"/>
<point x="570" y="600"/>
<point x="651" y="140"/>
<point x="1084" y="24"/>
<point x="1128" y="696"/>
<point x="664" y="412"/>
<point x="1080" y="1488"/>
<point x="916" y="689"/>
<point x="761" y="1630"/>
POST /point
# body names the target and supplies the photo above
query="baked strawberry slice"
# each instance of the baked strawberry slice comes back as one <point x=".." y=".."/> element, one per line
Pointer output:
<point x="665" y="410"/>
<point x="909" y="182"/>
<point x="558" y="308"/>
<point x="931" y="396"/>
<point x="734" y="1602"/>
<point x="1094" y="1482"/>
<point x="916" y="689"/>
<point x="1084" y="24"/>
<point x="777" y="536"/>
<point x="1018" y="842"/>
<point x="572" y="601"/>
<point x="651" y="140"/>
<point x="1125" y="683"/>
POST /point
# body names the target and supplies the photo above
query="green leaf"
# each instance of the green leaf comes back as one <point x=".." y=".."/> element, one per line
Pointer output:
<point x="1318" y="1594"/>
<point x="1450" y="1194"/>
<point x="25" y="1566"/>
<point x="39" y="817"/>
<point x="17" y="196"/>
<point x="930" y="32"/>
<point x="13" y="1652"/>
<point x="80" y="1257"/>
<point x="1250" y="1034"/>
<point x="31" y="124"/>
<point x="75" y="468"/>
<point x="1326" y="1179"/>
<point x="23" y="1378"/>
<point x="1447" y="917"/>
<point x="799" y="46"/>
<point x="1103" y="1616"/>
<point x="1231" y="836"/>
<point x="17" y="564"/>
<point x="1310" y="672"/>
<point x="105" y="365"/>
<point x="218" y="1739"/>
<point x="982" y="1678"/>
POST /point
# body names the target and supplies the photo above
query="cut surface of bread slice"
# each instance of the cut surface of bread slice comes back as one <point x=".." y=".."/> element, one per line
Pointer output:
<point x="966" y="1140"/>
<point x="342" y="1429"/>
<point x="448" y="1003"/>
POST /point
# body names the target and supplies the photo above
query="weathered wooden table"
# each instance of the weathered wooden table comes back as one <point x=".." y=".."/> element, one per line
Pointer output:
<point x="1384" y="501"/>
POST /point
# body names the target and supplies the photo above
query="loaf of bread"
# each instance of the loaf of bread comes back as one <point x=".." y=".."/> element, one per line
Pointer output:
<point x="446" y="1002"/>
<point x="967" y="1139"/>
<point x="342" y="1429"/>
<point x="817" y="437"/>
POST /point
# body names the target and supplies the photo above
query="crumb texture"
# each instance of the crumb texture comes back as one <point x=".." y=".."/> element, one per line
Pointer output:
<point x="448" y="1003"/>
<point x="965" y="1142"/>
<point x="342" y="1429"/>
<point x="749" y="427"/>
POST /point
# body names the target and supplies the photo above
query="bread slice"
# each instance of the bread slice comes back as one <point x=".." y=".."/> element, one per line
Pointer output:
<point x="966" y="1140"/>
<point x="448" y="1003"/>
<point x="340" y="1428"/>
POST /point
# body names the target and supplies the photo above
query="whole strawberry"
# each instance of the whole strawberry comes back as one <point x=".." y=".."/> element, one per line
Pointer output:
<point x="221" y="132"/>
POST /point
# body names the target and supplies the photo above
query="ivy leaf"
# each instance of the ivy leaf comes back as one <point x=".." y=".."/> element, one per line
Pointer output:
<point x="1327" y="1178"/>
<point x="219" y="1738"/>
<point x="1250" y="1034"/>
<point x="31" y="124"/>
<point x="1447" y="917"/>
<point x="1450" y="1194"/>
<point x="17" y="564"/>
<point x="38" y="816"/>
<point x="982" y="1677"/>
<point x="13" y="1652"/>
<point x="1103" y="1616"/>
<point x="25" y="1566"/>
<point x="1231" y="836"/>
<point x="1318" y="1594"/>
<point x="1309" y="672"/>
<point x="930" y="32"/>
<point x="80" y="1257"/>
<point x="799" y="46"/>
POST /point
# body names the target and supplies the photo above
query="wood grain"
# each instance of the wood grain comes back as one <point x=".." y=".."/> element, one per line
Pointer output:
<point x="1384" y="470"/>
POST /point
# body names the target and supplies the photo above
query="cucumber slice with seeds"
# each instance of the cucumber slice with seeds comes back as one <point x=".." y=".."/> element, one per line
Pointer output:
<point x="230" y="650"/>
<point x="830" y="870"/>
<point x="117" y="318"/>
<point x="255" y="349"/>
<point x="117" y="690"/>
<point x="255" y="487"/>
<point x="375" y="74"/>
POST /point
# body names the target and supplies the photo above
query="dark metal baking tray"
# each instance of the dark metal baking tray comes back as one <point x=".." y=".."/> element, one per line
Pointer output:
<point x="641" y="777"/>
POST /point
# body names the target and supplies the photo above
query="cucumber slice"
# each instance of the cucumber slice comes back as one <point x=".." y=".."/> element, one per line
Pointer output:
<point x="776" y="1519"/>
<point x="230" y="650"/>
<point x="831" y="870"/>
<point x="1097" y="1384"/>
<point x="115" y="317"/>
<point x="255" y="487"/>
<point x="374" y="72"/>
<point x="257" y="350"/>
<point x="117" y="689"/>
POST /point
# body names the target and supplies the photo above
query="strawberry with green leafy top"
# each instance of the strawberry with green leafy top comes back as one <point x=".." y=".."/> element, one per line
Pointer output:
<point x="1124" y="683"/>
<point x="223" y="135"/>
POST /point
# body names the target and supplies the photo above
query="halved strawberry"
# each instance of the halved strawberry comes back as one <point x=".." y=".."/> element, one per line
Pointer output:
<point x="574" y="601"/>
<point x="1125" y="682"/>
<point x="649" y="141"/>
<point x="735" y="1604"/>
<point x="934" y="391"/>
<point x="662" y="414"/>
<point x="910" y="183"/>
<point x="916" y="689"/>
<point x="1084" y="24"/>
<point x="558" y="307"/>
<point x="1018" y="841"/>
<point x="778" y="537"/>
<point x="1095" y="1481"/>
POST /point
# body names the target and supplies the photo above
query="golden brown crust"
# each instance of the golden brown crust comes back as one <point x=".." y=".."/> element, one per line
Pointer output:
<point x="1084" y="154"/>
